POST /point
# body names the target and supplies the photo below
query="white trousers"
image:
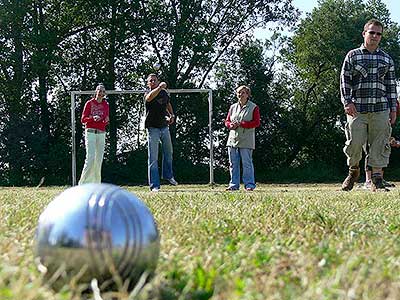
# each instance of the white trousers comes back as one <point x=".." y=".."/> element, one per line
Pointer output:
<point x="95" y="143"/>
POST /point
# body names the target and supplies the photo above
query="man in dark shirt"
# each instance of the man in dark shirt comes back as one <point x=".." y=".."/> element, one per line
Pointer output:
<point x="159" y="114"/>
<point x="368" y="94"/>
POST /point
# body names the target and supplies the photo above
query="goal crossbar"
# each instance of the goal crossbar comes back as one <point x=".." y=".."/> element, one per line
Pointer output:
<point x="74" y="94"/>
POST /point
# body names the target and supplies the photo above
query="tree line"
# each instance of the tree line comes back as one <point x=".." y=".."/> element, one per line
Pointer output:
<point x="49" y="48"/>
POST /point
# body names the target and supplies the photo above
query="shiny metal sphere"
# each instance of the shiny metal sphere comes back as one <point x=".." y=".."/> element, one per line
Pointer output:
<point x="97" y="231"/>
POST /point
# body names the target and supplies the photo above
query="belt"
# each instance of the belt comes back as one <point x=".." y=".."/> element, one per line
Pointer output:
<point x="93" y="130"/>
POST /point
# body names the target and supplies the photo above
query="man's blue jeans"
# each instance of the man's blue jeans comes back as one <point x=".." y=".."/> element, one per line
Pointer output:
<point x="235" y="155"/>
<point x="154" y="137"/>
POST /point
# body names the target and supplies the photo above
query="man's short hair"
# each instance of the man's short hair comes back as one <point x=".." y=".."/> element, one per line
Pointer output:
<point x="244" y="87"/>
<point x="152" y="75"/>
<point x="373" y="22"/>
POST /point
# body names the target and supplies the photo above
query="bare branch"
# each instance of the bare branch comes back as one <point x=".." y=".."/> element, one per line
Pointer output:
<point x="5" y="72"/>
<point x="158" y="53"/>
<point x="79" y="30"/>
<point x="223" y="51"/>
<point x="174" y="6"/>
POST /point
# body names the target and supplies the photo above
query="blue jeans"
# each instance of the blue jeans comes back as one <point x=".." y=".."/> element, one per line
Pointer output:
<point x="154" y="137"/>
<point x="245" y="154"/>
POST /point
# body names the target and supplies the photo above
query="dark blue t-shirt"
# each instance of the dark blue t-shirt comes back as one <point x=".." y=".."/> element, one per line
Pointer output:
<point x="156" y="110"/>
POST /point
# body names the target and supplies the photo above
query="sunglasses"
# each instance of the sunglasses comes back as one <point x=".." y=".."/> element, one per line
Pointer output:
<point x="374" y="32"/>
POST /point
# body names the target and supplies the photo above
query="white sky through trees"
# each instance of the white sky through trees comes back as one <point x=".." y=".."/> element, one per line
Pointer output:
<point x="306" y="6"/>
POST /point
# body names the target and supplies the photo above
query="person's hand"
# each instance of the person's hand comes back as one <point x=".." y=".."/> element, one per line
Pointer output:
<point x="162" y="85"/>
<point x="96" y="118"/>
<point x="350" y="109"/>
<point x="234" y="125"/>
<point x="170" y="119"/>
<point x="394" y="143"/>
<point x="392" y="117"/>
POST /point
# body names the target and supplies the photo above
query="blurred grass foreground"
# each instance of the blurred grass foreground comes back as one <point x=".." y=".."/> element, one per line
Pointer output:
<point x="278" y="242"/>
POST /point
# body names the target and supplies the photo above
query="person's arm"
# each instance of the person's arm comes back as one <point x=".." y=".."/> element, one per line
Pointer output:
<point x="255" y="122"/>
<point x="346" y="78"/>
<point x="229" y="124"/>
<point x="154" y="92"/>
<point x="86" y="116"/>
<point x="391" y="92"/>
<point x="228" y="120"/>
<point x="171" y="113"/>
<point x="106" y="117"/>
<point x="398" y="107"/>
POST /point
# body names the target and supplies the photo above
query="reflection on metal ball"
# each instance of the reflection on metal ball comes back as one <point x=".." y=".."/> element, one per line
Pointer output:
<point x="97" y="231"/>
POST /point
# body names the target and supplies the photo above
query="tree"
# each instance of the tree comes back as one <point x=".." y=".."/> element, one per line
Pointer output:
<point x="190" y="37"/>
<point x="14" y="86"/>
<point x="314" y="61"/>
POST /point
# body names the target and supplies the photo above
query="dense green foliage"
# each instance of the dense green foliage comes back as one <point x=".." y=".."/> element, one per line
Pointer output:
<point x="48" y="48"/>
<point x="315" y="55"/>
<point x="278" y="242"/>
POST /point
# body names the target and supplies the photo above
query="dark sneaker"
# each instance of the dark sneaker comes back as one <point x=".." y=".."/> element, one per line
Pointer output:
<point x="172" y="181"/>
<point x="348" y="183"/>
<point x="387" y="183"/>
<point x="249" y="189"/>
<point x="377" y="184"/>
<point x="231" y="188"/>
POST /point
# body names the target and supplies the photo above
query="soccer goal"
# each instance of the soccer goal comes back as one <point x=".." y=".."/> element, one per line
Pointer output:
<point x="75" y="94"/>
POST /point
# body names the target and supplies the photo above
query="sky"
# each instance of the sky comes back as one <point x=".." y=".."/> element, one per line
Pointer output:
<point x="307" y="5"/>
<point x="392" y="5"/>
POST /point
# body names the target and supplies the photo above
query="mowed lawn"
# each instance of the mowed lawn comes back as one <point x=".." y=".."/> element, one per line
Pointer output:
<point x="278" y="242"/>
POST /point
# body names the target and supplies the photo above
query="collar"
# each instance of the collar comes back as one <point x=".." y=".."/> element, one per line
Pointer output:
<point x="363" y="48"/>
<point x="244" y="105"/>
<point x="95" y="100"/>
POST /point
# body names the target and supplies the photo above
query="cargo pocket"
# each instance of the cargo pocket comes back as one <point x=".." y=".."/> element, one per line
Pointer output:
<point x="386" y="149"/>
<point x="347" y="149"/>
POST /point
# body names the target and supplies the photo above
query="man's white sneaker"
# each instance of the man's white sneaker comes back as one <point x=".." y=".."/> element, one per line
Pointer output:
<point x="155" y="190"/>
<point x="172" y="181"/>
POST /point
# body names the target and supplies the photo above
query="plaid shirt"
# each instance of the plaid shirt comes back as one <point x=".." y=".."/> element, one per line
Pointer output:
<point x="368" y="80"/>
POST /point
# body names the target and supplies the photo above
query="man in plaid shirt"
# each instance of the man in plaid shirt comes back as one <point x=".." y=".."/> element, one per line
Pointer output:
<point x="368" y="94"/>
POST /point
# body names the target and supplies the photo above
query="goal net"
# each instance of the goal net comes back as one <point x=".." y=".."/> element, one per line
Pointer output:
<point x="130" y="134"/>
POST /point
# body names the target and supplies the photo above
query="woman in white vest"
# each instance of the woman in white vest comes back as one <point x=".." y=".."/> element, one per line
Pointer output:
<point x="242" y="119"/>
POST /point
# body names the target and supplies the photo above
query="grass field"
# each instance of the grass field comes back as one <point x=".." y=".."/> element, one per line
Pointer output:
<point x="278" y="242"/>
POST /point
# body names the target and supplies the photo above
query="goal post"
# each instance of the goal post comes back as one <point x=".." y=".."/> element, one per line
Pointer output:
<point x="74" y="94"/>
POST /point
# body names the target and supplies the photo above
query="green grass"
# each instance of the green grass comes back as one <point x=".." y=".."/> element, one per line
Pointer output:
<point x="278" y="242"/>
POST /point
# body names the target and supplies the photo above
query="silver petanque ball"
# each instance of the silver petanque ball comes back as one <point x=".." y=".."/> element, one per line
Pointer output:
<point x="97" y="231"/>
